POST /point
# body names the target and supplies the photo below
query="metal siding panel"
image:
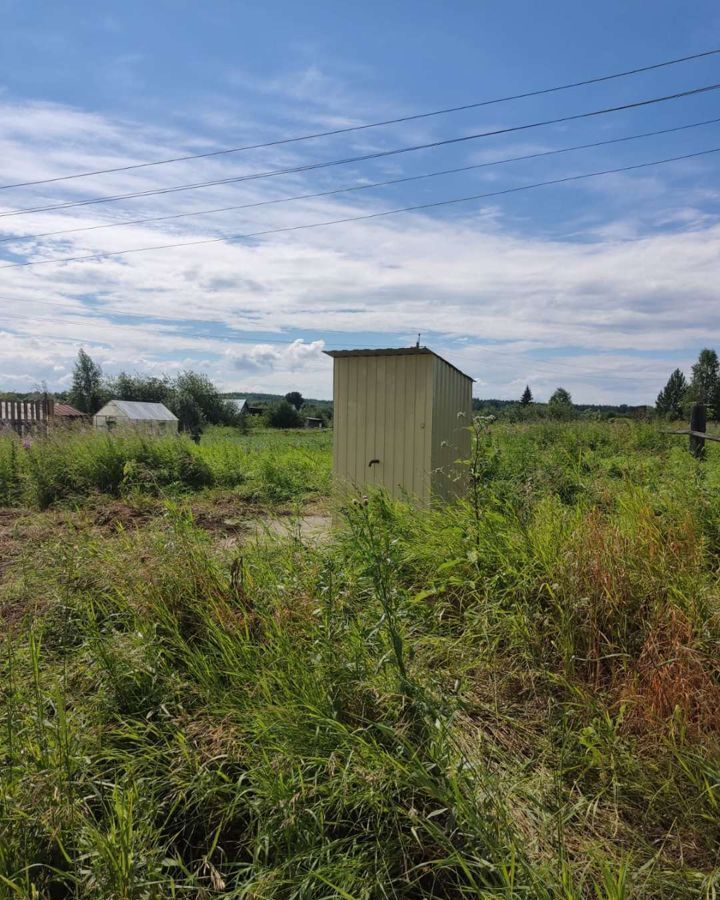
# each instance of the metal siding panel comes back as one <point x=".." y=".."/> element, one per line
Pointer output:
<point x="384" y="473"/>
<point x="454" y="395"/>
<point x="366" y="411"/>
<point x="339" y="418"/>
<point x="414" y="428"/>
<point x="397" y="441"/>
<point x="374" y="476"/>
<point x="354" y="414"/>
<point x="381" y="405"/>
<point x="411" y="399"/>
<point x="428" y="381"/>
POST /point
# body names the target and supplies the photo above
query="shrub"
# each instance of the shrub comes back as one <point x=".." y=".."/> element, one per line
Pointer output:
<point x="284" y="415"/>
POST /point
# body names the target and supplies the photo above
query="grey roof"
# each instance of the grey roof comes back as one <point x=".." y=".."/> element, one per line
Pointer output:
<point x="239" y="402"/>
<point x="138" y="410"/>
<point x="394" y="351"/>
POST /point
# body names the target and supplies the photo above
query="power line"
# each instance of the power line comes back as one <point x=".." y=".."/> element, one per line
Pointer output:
<point x="365" y="127"/>
<point x="363" y="187"/>
<point x="365" y="157"/>
<point x="366" y="216"/>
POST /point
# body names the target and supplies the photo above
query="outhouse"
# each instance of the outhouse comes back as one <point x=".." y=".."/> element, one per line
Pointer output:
<point x="401" y="421"/>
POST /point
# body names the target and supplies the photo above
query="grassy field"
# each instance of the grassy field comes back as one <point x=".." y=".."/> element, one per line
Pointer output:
<point x="71" y="466"/>
<point x="515" y="696"/>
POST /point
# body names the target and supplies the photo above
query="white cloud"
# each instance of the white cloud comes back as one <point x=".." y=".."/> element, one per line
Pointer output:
<point x="471" y="273"/>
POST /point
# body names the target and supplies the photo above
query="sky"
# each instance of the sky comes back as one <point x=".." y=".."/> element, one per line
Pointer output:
<point x="602" y="285"/>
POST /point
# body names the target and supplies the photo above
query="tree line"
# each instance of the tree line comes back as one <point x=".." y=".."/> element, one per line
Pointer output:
<point x="703" y="387"/>
<point x="560" y="407"/>
<point x="191" y="396"/>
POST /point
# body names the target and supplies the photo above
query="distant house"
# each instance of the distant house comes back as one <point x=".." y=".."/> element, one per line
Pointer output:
<point x="151" y="418"/>
<point x="240" y="404"/>
<point x="64" y="413"/>
<point x="254" y="410"/>
<point x="314" y="422"/>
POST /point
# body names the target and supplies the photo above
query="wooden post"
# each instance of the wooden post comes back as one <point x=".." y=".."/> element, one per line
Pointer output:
<point x="698" y="423"/>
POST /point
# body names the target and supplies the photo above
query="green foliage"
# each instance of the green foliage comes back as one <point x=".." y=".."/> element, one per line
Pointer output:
<point x="11" y="487"/>
<point x="295" y="398"/>
<point x="73" y="465"/>
<point x="87" y="392"/>
<point x="560" y="405"/>
<point x="705" y="381"/>
<point x="284" y="415"/>
<point x="511" y="696"/>
<point x="527" y="396"/>
<point x="191" y="396"/>
<point x="66" y="466"/>
<point x="672" y="397"/>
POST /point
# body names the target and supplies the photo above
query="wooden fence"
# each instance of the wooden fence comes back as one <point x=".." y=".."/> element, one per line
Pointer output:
<point x="26" y="416"/>
<point x="696" y="431"/>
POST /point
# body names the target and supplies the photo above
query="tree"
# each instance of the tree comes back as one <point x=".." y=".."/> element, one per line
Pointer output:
<point x="191" y="396"/>
<point x="86" y="393"/>
<point x="295" y="398"/>
<point x="146" y="388"/>
<point x="190" y="417"/>
<point x="671" y="398"/>
<point x="527" y="396"/>
<point x="215" y="409"/>
<point x="561" y="405"/>
<point x="705" y="382"/>
<point x="284" y="415"/>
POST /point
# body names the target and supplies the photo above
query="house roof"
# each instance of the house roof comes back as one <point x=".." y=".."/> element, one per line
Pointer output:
<point x="239" y="402"/>
<point x="140" y="410"/>
<point x="64" y="409"/>
<point x="394" y="351"/>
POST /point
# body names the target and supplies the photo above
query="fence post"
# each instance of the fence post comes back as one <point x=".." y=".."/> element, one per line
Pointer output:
<point x="698" y="422"/>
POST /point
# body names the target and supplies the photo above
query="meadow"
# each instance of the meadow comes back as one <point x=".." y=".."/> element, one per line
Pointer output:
<point x="517" y="695"/>
<point x="70" y="466"/>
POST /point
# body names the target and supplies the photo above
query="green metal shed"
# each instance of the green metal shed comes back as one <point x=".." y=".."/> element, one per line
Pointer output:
<point x="401" y="421"/>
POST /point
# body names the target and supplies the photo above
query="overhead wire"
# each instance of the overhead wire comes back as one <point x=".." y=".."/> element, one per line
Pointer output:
<point x="380" y="154"/>
<point x="361" y="187"/>
<point x="366" y="126"/>
<point x="367" y="216"/>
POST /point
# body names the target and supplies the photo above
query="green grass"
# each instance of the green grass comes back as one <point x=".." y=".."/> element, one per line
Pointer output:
<point x="518" y="699"/>
<point x="70" y="466"/>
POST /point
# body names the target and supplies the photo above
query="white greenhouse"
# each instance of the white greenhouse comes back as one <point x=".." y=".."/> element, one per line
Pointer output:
<point x="150" y="418"/>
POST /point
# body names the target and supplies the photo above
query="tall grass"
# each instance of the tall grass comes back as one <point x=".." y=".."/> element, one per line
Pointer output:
<point x="73" y="465"/>
<point x="512" y="698"/>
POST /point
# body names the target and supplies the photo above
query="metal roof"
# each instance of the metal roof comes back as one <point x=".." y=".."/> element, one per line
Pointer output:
<point x="139" y="410"/>
<point x="394" y="351"/>
<point x="239" y="402"/>
<point x="64" y="409"/>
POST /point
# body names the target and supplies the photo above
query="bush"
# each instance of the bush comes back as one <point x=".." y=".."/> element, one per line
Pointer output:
<point x="284" y="415"/>
<point x="11" y="485"/>
<point x="63" y="466"/>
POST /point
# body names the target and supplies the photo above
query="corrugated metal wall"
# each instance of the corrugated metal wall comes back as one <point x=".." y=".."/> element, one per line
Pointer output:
<point x="403" y="411"/>
<point x="451" y="438"/>
<point x="383" y="410"/>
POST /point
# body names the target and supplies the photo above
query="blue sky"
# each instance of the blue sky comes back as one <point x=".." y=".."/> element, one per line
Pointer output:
<point x="603" y="286"/>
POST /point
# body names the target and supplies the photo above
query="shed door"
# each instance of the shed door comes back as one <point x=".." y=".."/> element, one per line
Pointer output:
<point x="383" y="410"/>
